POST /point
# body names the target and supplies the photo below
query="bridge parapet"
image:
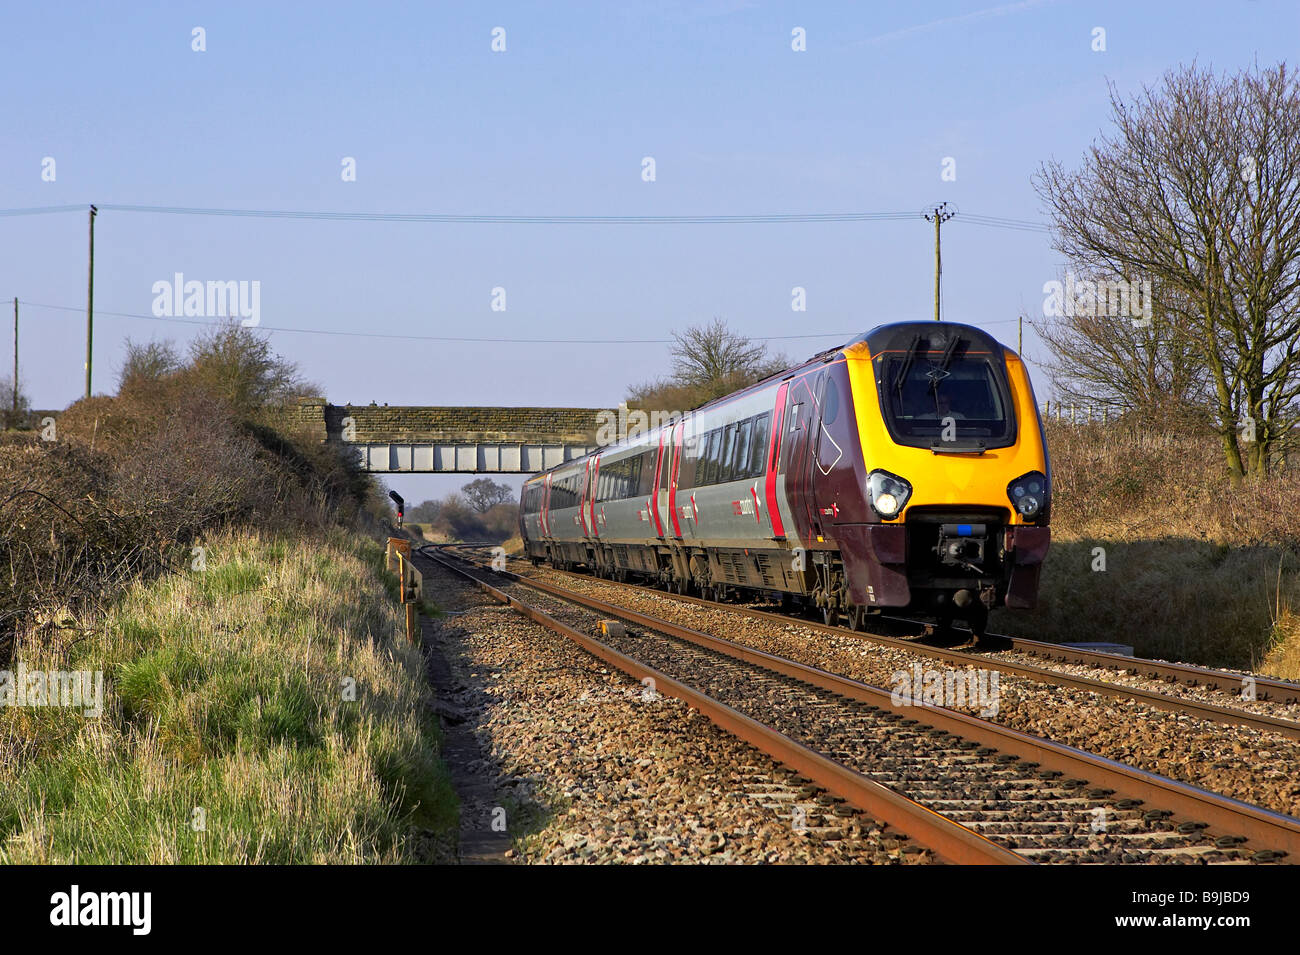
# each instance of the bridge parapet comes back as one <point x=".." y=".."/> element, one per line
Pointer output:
<point x="450" y="439"/>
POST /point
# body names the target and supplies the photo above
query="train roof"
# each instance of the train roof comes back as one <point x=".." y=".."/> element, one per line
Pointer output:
<point x="899" y="336"/>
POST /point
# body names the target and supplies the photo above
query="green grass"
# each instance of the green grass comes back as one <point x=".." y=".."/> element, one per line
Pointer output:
<point x="227" y="734"/>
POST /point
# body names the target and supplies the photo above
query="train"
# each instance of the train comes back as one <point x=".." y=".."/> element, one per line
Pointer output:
<point x="906" y="471"/>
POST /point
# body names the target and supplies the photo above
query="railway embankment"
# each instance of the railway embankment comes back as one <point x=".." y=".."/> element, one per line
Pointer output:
<point x="199" y="658"/>
<point x="261" y="707"/>
<point x="1153" y="546"/>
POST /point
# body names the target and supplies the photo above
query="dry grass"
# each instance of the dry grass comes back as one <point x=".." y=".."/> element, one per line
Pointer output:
<point x="1194" y="569"/>
<point x="1283" y="659"/>
<point x="226" y="692"/>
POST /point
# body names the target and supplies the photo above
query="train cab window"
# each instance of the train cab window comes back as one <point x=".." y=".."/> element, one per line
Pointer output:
<point x="922" y="392"/>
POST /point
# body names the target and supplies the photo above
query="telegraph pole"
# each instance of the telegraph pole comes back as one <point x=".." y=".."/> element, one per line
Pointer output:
<point x="938" y="215"/>
<point x="15" y="421"/>
<point x="90" y="302"/>
<point x="1020" y="334"/>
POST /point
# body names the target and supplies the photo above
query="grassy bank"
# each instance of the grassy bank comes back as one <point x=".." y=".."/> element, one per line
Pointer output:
<point x="265" y="709"/>
<point x="1152" y="546"/>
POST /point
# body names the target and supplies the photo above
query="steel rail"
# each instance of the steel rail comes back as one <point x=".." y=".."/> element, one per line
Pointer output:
<point x="1209" y="711"/>
<point x="1221" y="814"/>
<point x="951" y="841"/>
<point x="1268" y="689"/>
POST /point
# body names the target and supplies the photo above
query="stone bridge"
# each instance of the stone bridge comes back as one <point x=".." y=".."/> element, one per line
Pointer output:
<point x="450" y="440"/>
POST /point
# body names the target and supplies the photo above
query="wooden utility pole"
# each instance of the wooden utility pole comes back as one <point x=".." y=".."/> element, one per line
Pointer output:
<point x="1020" y="335"/>
<point x="90" y="303"/>
<point x="15" y="421"/>
<point x="938" y="215"/>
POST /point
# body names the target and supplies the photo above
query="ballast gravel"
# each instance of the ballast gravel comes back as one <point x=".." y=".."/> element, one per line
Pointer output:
<point x="588" y="766"/>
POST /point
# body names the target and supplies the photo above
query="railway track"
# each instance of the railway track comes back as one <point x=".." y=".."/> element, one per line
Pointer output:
<point x="1231" y="711"/>
<point x="971" y="790"/>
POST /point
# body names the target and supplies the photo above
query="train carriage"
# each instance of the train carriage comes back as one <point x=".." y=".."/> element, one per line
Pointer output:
<point x="904" y="470"/>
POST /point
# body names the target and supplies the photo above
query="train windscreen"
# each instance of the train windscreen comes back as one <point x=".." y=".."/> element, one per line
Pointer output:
<point x="933" y="398"/>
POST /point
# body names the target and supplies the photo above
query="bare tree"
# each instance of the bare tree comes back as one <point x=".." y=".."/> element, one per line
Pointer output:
<point x="709" y="361"/>
<point x="1198" y="190"/>
<point x="707" y="353"/>
<point x="240" y="367"/>
<point x="483" y="494"/>
<point x="1149" y="367"/>
<point x="14" y="408"/>
<point x="426" y="512"/>
<point x="147" y="364"/>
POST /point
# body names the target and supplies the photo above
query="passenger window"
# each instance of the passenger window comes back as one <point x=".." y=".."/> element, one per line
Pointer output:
<point x="728" y="452"/>
<point x="758" y="460"/>
<point x="647" y="477"/>
<point x="707" y="469"/>
<point x="740" y="460"/>
<point x="690" y="461"/>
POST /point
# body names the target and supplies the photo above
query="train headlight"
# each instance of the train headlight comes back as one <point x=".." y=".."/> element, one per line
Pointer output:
<point x="1029" y="495"/>
<point x="888" y="493"/>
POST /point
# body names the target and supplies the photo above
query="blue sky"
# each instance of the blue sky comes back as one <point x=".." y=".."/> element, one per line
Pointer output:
<point x="558" y="124"/>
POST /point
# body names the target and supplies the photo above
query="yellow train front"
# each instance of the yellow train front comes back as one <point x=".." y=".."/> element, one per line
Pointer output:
<point x="956" y="473"/>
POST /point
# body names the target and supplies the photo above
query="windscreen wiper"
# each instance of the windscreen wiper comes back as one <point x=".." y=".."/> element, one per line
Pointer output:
<point x="907" y="363"/>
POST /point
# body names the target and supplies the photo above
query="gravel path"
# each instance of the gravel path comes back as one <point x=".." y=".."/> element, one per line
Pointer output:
<point x="588" y="766"/>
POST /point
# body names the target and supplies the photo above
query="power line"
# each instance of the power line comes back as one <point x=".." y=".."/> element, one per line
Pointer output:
<point x="41" y="210"/>
<point x="999" y="222"/>
<point x="438" y="217"/>
<point x="842" y="336"/>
